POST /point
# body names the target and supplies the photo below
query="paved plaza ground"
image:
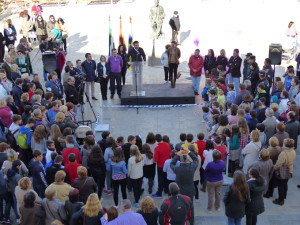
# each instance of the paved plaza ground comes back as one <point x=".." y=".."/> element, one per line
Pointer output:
<point x="248" y="25"/>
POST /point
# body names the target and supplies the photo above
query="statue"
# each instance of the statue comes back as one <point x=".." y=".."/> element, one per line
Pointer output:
<point x="157" y="14"/>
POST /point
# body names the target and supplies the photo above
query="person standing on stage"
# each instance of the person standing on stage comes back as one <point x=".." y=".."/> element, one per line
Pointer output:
<point x="234" y="70"/>
<point x="116" y="63"/>
<point x="89" y="65"/>
<point x="175" y="25"/>
<point x="123" y="54"/>
<point x="103" y="69"/>
<point x="164" y="61"/>
<point x="173" y="59"/>
<point x="196" y="65"/>
<point x="137" y="55"/>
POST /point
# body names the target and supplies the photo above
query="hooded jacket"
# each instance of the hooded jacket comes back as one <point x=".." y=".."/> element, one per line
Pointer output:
<point x="13" y="178"/>
<point x="28" y="131"/>
<point x="38" y="175"/>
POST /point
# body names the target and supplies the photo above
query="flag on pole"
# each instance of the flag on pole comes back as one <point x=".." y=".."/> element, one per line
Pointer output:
<point x="130" y="41"/>
<point x="121" y="37"/>
<point x="111" y="41"/>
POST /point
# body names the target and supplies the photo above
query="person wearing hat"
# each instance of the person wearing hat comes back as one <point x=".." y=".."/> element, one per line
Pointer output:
<point x="175" y="25"/>
<point x="242" y="91"/>
<point x="246" y="69"/>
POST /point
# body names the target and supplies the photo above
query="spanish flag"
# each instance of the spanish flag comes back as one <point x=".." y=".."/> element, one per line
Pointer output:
<point x="130" y="41"/>
<point x="121" y="37"/>
<point x="111" y="41"/>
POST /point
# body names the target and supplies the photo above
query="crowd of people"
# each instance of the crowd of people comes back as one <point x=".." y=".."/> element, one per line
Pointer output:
<point x="51" y="176"/>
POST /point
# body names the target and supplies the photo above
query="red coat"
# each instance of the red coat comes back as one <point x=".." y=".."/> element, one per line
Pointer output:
<point x="71" y="171"/>
<point x="201" y="147"/>
<point x="162" y="153"/>
<point x="196" y="63"/>
<point x="66" y="154"/>
<point x="30" y="94"/>
<point x="61" y="60"/>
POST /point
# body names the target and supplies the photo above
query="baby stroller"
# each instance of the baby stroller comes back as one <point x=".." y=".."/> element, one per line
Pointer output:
<point x="80" y="133"/>
<point x="289" y="49"/>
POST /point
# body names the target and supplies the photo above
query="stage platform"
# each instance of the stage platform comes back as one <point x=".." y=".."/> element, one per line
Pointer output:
<point x="160" y="94"/>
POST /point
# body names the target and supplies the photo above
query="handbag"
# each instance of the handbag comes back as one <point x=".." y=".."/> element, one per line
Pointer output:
<point x="285" y="171"/>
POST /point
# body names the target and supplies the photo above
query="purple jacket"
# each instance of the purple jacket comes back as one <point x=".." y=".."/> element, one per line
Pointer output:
<point x="38" y="122"/>
<point x="116" y="64"/>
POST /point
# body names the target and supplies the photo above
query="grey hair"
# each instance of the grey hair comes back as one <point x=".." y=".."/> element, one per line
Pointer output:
<point x="68" y="63"/>
<point x="69" y="79"/>
<point x="7" y="56"/>
<point x="126" y="204"/>
<point x="173" y="189"/>
<point x="35" y="98"/>
<point x="9" y="99"/>
<point x="247" y="83"/>
<point x="270" y="112"/>
<point x="37" y="112"/>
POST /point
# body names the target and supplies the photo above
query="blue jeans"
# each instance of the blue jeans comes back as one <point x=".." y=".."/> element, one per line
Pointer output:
<point x="15" y="206"/>
<point x="196" y="83"/>
<point x="45" y="74"/>
<point x="5" y="198"/>
<point x="236" y="82"/>
<point x="234" y="221"/>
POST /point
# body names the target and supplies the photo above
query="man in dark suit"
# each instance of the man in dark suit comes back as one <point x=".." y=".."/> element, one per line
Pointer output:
<point x="71" y="91"/>
<point x="234" y="70"/>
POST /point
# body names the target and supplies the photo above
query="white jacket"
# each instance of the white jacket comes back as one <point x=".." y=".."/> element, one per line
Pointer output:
<point x="3" y="92"/>
<point x="135" y="170"/>
<point x="164" y="59"/>
<point x="283" y="105"/>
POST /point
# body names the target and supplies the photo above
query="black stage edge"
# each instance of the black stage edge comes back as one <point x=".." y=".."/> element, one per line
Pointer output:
<point x="160" y="94"/>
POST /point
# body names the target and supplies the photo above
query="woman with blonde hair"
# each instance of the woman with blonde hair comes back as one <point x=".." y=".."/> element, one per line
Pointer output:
<point x="38" y="139"/>
<point x="7" y="164"/>
<point x="103" y="69"/>
<point x="91" y="212"/>
<point x="63" y="189"/>
<point x="56" y="34"/>
<point x="135" y="173"/>
<point x="54" y="209"/>
<point x="60" y="121"/>
<point x="148" y="211"/>
<point x="6" y="84"/>
<point x="24" y="186"/>
<point x="251" y="151"/>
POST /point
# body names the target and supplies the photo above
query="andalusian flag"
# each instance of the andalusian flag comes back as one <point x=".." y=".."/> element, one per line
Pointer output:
<point x="121" y="37"/>
<point x="130" y="41"/>
<point x="111" y="41"/>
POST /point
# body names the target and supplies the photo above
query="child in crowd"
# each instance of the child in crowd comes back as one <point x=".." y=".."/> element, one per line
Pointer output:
<point x="288" y="79"/>
<point x="244" y="132"/>
<point x="221" y="84"/>
<point x="277" y="92"/>
<point x="15" y="126"/>
<point x="212" y="97"/>
<point x="212" y="132"/>
<point x="149" y="166"/>
<point x="221" y="99"/>
<point x="241" y="113"/>
<point x="220" y="147"/>
<point x="214" y="73"/>
<point x="247" y="111"/>
<point x="206" y="90"/>
<point x="283" y="107"/>
<point x="26" y="114"/>
<point x="171" y="176"/>
<point x="230" y="93"/>
<point x="261" y="114"/>
<point x="274" y="107"/>
<point x="252" y="120"/>
<point x="182" y="138"/>
<point x="48" y="99"/>
<point x="228" y="106"/>
<point x="192" y="148"/>
<point x="260" y="127"/>
<point x="207" y="154"/>
<point x="120" y="141"/>
<point x="261" y="92"/>
<point x="201" y="147"/>
<point x="205" y="115"/>
<point x="216" y="105"/>
<point x="275" y="87"/>
<point x="214" y="86"/>
<point x="234" y="146"/>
